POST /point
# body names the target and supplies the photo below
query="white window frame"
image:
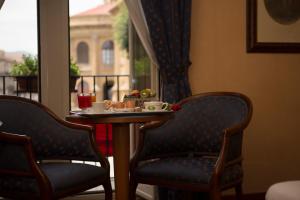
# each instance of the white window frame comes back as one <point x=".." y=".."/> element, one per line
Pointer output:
<point x="54" y="54"/>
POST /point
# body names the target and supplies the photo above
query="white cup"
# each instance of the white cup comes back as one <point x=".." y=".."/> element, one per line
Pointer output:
<point x="155" y="105"/>
<point x="98" y="107"/>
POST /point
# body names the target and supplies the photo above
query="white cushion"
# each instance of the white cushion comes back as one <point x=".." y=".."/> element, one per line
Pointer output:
<point x="289" y="190"/>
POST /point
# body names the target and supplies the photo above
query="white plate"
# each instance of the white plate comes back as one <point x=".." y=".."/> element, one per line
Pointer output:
<point x="145" y="110"/>
<point x="123" y="109"/>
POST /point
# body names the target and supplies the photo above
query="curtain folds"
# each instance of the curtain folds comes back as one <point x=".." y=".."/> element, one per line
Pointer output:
<point x="169" y="23"/>
<point x="1" y="3"/>
<point x="137" y="17"/>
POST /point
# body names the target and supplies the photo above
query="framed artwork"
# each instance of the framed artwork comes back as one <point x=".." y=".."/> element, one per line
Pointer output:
<point x="273" y="26"/>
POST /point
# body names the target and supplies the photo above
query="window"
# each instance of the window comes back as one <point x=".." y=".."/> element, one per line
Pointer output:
<point x="19" y="65"/>
<point x="107" y="72"/>
<point x="83" y="53"/>
<point x="141" y="69"/>
<point x="108" y="53"/>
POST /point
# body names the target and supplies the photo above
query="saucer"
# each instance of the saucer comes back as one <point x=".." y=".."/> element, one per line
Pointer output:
<point x="146" y="110"/>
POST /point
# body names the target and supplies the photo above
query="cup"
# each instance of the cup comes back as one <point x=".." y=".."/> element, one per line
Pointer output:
<point x="98" y="107"/>
<point x="93" y="97"/>
<point x="155" y="105"/>
<point x="84" y="101"/>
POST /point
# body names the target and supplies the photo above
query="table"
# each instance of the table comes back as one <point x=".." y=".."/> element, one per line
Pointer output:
<point x="120" y="130"/>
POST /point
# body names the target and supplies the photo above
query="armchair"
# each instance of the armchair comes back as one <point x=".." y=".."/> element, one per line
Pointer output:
<point x="198" y="150"/>
<point x="31" y="136"/>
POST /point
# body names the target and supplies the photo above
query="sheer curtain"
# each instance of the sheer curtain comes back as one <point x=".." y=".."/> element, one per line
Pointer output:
<point x="137" y="17"/>
<point x="1" y="3"/>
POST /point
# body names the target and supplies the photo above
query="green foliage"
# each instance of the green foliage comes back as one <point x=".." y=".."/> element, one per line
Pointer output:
<point x="142" y="66"/>
<point x="121" y="27"/>
<point x="29" y="67"/>
<point x="74" y="69"/>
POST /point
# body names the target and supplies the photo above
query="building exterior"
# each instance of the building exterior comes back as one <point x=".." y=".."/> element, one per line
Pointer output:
<point x="7" y="60"/>
<point x="95" y="50"/>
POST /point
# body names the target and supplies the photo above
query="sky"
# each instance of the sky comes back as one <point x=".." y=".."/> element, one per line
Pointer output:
<point x="18" y="23"/>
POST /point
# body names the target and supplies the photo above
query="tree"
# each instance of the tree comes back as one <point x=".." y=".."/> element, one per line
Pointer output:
<point x="121" y="27"/>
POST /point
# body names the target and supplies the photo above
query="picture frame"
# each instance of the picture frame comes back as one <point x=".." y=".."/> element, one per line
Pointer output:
<point x="259" y="41"/>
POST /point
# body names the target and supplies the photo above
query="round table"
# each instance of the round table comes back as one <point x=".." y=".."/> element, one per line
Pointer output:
<point x="120" y="130"/>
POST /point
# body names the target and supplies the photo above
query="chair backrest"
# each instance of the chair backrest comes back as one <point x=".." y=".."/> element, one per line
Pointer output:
<point x="199" y="125"/>
<point x="50" y="137"/>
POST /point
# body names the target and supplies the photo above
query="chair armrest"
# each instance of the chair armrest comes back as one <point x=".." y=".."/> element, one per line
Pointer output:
<point x="16" y="155"/>
<point x="143" y="131"/>
<point x="231" y="151"/>
<point x="84" y="153"/>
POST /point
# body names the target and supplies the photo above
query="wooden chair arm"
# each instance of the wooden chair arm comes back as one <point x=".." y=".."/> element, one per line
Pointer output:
<point x="143" y="129"/>
<point x="24" y="146"/>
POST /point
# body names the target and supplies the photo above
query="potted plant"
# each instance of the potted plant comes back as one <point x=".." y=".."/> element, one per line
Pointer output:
<point x="26" y="73"/>
<point x="74" y="75"/>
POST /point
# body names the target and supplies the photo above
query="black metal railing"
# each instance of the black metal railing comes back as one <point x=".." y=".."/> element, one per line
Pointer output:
<point x="27" y="86"/>
<point x="107" y="81"/>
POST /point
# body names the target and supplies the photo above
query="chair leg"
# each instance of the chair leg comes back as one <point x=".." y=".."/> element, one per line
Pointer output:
<point x="239" y="192"/>
<point x="108" y="190"/>
<point x="132" y="189"/>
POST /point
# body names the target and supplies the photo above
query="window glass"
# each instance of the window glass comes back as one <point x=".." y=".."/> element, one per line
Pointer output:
<point x="98" y="30"/>
<point x="141" y="69"/>
<point x="108" y="53"/>
<point x="19" y="66"/>
<point x="83" y="53"/>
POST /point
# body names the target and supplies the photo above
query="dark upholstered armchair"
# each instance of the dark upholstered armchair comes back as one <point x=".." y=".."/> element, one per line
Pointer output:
<point x="30" y="134"/>
<point x="197" y="150"/>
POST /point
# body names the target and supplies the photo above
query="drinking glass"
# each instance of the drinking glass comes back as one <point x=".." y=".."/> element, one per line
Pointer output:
<point x="84" y="101"/>
<point x="93" y="97"/>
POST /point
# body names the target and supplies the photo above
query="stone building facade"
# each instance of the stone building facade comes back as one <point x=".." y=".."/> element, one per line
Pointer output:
<point x="95" y="50"/>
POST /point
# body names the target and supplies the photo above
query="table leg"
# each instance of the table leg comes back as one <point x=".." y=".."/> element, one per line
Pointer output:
<point x="121" y="160"/>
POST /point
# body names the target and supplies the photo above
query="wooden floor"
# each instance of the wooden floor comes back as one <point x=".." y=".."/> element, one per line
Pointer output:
<point x="87" y="197"/>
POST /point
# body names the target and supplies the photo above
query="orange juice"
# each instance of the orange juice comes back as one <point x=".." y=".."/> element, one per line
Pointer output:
<point x="93" y="97"/>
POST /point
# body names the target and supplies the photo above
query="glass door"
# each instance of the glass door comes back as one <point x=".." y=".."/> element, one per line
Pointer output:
<point x="19" y="65"/>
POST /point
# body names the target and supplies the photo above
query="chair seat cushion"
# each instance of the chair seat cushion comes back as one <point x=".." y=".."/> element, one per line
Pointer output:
<point x="194" y="170"/>
<point x="289" y="190"/>
<point x="63" y="176"/>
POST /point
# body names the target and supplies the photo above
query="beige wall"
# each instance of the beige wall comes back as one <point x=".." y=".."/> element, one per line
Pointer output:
<point x="272" y="81"/>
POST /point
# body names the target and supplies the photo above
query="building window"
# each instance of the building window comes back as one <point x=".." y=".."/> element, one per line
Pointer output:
<point x="83" y="53"/>
<point x="108" y="53"/>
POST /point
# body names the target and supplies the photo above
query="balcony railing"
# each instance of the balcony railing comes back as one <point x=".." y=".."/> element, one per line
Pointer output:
<point x="104" y="86"/>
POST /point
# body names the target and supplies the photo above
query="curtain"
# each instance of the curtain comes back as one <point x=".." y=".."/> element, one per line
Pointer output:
<point x="1" y="3"/>
<point x="169" y="23"/>
<point x="137" y="17"/>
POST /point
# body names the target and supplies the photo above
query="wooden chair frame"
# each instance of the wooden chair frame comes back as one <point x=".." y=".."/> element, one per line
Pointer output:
<point x="214" y="188"/>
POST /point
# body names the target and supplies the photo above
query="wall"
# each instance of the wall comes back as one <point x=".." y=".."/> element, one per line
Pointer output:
<point x="272" y="81"/>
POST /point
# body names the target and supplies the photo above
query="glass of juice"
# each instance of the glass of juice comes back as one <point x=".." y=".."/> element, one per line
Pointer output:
<point x="84" y="101"/>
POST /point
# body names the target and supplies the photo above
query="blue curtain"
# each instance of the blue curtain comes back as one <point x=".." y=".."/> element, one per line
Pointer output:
<point x="169" y="23"/>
